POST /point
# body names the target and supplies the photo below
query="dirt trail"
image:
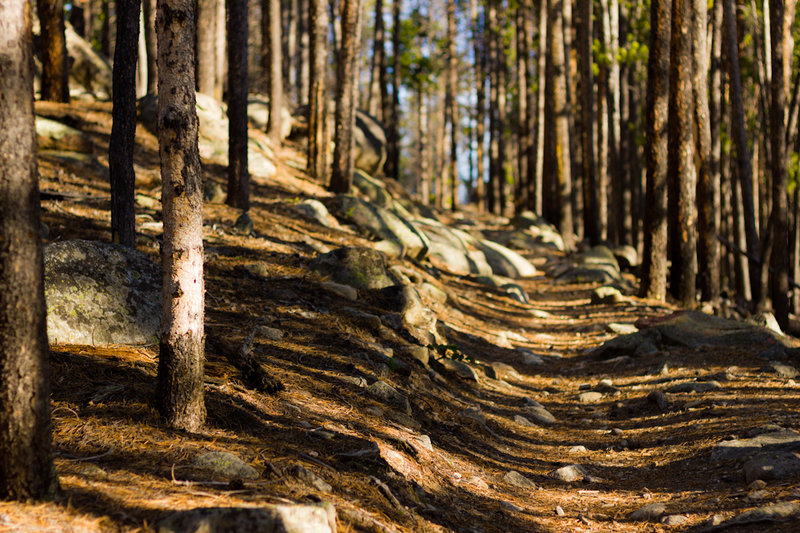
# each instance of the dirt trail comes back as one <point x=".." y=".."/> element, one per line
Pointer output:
<point x="441" y="462"/>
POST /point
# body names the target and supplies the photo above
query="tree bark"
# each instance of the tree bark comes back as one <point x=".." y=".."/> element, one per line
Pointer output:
<point x="149" y="14"/>
<point x="238" y="175"/>
<point x="654" y="266"/>
<point x="558" y="99"/>
<point x="55" y="60"/>
<point x="744" y="164"/>
<point x="708" y="179"/>
<point x="392" y="166"/>
<point x="591" y="222"/>
<point x="26" y="464"/>
<point x="205" y="43"/>
<point x="541" y="105"/>
<point x="450" y="103"/>
<point x="123" y="128"/>
<point x="480" y="107"/>
<point x="524" y="139"/>
<point x="378" y="67"/>
<point x="318" y="99"/>
<point x="180" y="366"/>
<point x="780" y="233"/>
<point x="342" y="175"/>
<point x="272" y="36"/>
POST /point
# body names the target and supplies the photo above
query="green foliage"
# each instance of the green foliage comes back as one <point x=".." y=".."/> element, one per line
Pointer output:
<point x="451" y="351"/>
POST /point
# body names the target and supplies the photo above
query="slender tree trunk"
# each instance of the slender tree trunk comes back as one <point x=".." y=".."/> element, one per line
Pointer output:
<point x="480" y="105"/>
<point x="123" y="128"/>
<point x="149" y="15"/>
<point x="238" y="175"/>
<point x="220" y="51"/>
<point x="452" y="115"/>
<point x="780" y="239"/>
<point x="490" y="46"/>
<point x="318" y="100"/>
<point x="393" y="119"/>
<point x="26" y="464"/>
<point x="180" y="367"/>
<point x="591" y="223"/>
<point x="342" y="175"/>
<point x="523" y="109"/>
<point x="55" y="61"/>
<point x="205" y="46"/>
<point x="745" y="169"/>
<point x="502" y="118"/>
<point x="377" y="68"/>
<point x="558" y="99"/>
<point x="275" y="78"/>
<point x="302" y="66"/>
<point x="708" y="181"/>
<point x="654" y="267"/>
<point x="538" y="186"/>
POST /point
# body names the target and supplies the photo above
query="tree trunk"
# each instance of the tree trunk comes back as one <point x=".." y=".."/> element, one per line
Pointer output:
<point x="123" y="128"/>
<point x="302" y="66"/>
<point x="392" y="166"/>
<point x="739" y="134"/>
<point x="708" y="180"/>
<point x="180" y="367"/>
<point x="342" y="175"/>
<point x="558" y="99"/>
<point x="480" y="106"/>
<point x="780" y="239"/>
<point x="55" y="60"/>
<point x="450" y="104"/>
<point x="680" y="159"/>
<point x="220" y="51"/>
<point x="377" y="68"/>
<point x="654" y="266"/>
<point x="591" y="222"/>
<point x="272" y="38"/>
<point x="523" y="110"/>
<point x="26" y="465"/>
<point x="541" y="104"/>
<point x="149" y="15"/>
<point x="318" y="99"/>
<point x="205" y="43"/>
<point x="238" y="175"/>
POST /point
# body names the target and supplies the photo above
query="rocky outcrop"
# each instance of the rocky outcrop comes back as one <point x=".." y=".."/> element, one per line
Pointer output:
<point x="99" y="293"/>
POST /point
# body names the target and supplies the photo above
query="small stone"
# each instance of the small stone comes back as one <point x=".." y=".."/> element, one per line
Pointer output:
<point x="674" y="519"/>
<point x="757" y="484"/>
<point x="345" y="291"/>
<point x="538" y="313"/>
<point x="518" y="480"/>
<point x="522" y="421"/>
<point x="589" y="397"/>
<point x="458" y="368"/>
<point x="696" y="387"/>
<point x="659" y="399"/>
<point x="621" y="329"/>
<point x="560" y="511"/>
<point x="578" y="449"/>
<point x="512" y="507"/>
<point x="617" y="431"/>
<point x="272" y="334"/>
<point x="502" y="371"/>
<point x="224" y="466"/>
<point x="772" y="466"/>
<point x="310" y="478"/>
<point x="770" y="513"/>
<point x="568" y="473"/>
<point x="418" y="353"/>
<point x="531" y="402"/>
<point x="528" y="358"/>
<point x="243" y="224"/>
<point x="607" y="387"/>
<point x="758" y="495"/>
<point x="382" y="391"/>
<point x="358" y="381"/>
<point x="649" y="512"/>
<point x="606" y="296"/>
<point x="784" y="371"/>
<point x="424" y="441"/>
<point x="540" y="415"/>
<point x="478" y="482"/>
<point x="474" y="413"/>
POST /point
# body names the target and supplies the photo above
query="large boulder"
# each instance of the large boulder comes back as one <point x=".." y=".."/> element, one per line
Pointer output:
<point x="362" y="268"/>
<point x="99" y="293"/>
<point x="54" y="135"/>
<point x="370" y="138"/>
<point x="213" y="134"/>
<point x="258" y="113"/>
<point x="453" y="250"/>
<point x="382" y="223"/>
<point x="504" y="261"/>
<point x="296" y="518"/>
<point x="88" y="69"/>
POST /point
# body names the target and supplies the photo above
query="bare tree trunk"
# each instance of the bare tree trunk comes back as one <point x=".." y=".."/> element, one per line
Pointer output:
<point x="558" y="99"/>
<point x="392" y="166"/>
<point x="55" y="61"/>
<point x="205" y="46"/>
<point x="26" y="464"/>
<point x="180" y="367"/>
<point x="342" y="175"/>
<point x="220" y="51"/>
<point x="238" y="175"/>
<point x="377" y="68"/>
<point x="523" y="110"/>
<point x="780" y="239"/>
<point x="303" y="49"/>
<point x="318" y="99"/>
<point x="538" y="185"/>
<point x="123" y="128"/>
<point x="149" y="15"/>
<point x="480" y="105"/>
<point x="745" y="169"/>
<point x="272" y="36"/>
<point x="591" y="222"/>
<point x="708" y="184"/>
<point x="654" y="267"/>
<point x="452" y="115"/>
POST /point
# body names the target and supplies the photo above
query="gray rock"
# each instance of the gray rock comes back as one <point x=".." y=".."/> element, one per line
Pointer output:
<point x="474" y="413"/>
<point x="418" y="353"/>
<point x="540" y="415"/>
<point x="568" y="473"/>
<point x="358" y="381"/>
<point x="345" y="291"/>
<point x="582" y="274"/>
<point x="605" y="386"/>
<point x="316" y="211"/>
<point x="502" y="371"/>
<point x="518" y="480"/>
<point x="478" y="482"/>
<point x="770" y="513"/>
<point x="243" y="224"/>
<point x="504" y="261"/>
<point x="772" y="466"/>
<point x="362" y="268"/>
<point x="99" y="293"/>
<point x="224" y="466"/>
<point x="578" y="449"/>
<point x="453" y="250"/>
<point x="673" y="519"/>
<point x="528" y="358"/>
<point x="457" y="368"/>
<point x="777" y="351"/>
<point x="382" y="223"/>
<point x="650" y="512"/>
<point x="320" y="518"/>
<point x="589" y="397"/>
<point x="542" y="231"/>
<point x="693" y="386"/>
<point x="645" y="348"/>
<point x="310" y="478"/>
<point x="621" y="329"/>
<point x="659" y="399"/>
<point x="777" y="441"/>
<point x="258" y="114"/>
<point x="53" y="135"/>
<point x="522" y="421"/>
<point x="606" y="296"/>
<point x="382" y="391"/>
<point x="784" y="371"/>
<point x="627" y="257"/>
<point x="272" y="334"/>
<point x="213" y="192"/>
<point x="424" y="441"/>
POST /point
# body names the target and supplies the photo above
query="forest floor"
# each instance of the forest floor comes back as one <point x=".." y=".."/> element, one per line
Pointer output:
<point x="121" y="469"/>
